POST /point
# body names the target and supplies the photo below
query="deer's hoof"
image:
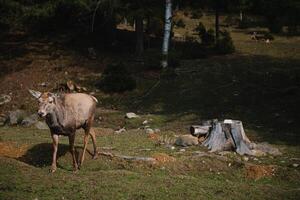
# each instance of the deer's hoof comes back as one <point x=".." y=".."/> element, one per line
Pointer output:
<point x="52" y="170"/>
<point x="95" y="156"/>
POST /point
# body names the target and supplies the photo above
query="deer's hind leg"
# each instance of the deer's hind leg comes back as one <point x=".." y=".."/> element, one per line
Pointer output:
<point x="85" y="143"/>
<point x="93" y="136"/>
<point x="72" y="150"/>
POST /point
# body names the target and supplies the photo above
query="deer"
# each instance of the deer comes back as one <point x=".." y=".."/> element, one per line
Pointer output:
<point x="64" y="114"/>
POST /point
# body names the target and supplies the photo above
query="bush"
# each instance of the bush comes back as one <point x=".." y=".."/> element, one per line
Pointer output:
<point x="225" y="44"/>
<point x="208" y="38"/>
<point x="50" y="15"/>
<point x="179" y="23"/>
<point x="200" y="29"/>
<point x="116" y="79"/>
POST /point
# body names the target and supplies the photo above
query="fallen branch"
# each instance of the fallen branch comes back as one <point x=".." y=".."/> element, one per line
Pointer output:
<point x="131" y="158"/>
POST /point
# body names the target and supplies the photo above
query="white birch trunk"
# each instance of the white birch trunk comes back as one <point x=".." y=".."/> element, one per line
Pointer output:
<point x="167" y="31"/>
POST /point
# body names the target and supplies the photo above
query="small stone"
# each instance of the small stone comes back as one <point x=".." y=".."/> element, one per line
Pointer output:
<point x="255" y="159"/>
<point x="41" y="126"/>
<point x="245" y="158"/>
<point x="149" y="131"/>
<point x="295" y="165"/>
<point x="182" y="150"/>
<point x="229" y="164"/>
<point x="120" y="130"/>
<point x="131" y="115"/>
<point x="172" y="147"/>
<point x="145" y="122"/>
<point x="157" y="130"/>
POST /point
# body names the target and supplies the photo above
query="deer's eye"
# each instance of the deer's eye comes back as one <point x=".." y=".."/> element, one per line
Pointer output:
<point x="50" y="101"/>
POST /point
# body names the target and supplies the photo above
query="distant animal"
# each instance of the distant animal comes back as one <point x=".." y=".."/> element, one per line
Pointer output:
<point x="64" y="114"/>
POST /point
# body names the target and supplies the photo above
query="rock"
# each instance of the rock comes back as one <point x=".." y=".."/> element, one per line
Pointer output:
<point x="3" y="119"/>
<point x="258" y="153"/>
<point x="245" y="158"/>
<point x="182" y="150"/>
<point x="149" y="131"/>
<point x="120" y="130"/>
<point x="267" y="148"/>
<point x="30" y="120"/>
<point x="44" y="84"/>
<point x="157" y="130"/>
<point x="295" y="165"/>
<point x="145" y="122"/>
<point x="41" y="125"/>
<point x="16" y="116"/>
<point x="131" y="115"/>
<point x="4" y="99"/>
<point x="186" y="140"/>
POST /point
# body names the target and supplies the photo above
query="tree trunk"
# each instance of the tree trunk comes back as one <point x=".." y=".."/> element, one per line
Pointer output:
<point x="217" y="24"/>
<point x="139" y="29"/>
<point x="241" y="15"/>
<point x="167" y="31"/>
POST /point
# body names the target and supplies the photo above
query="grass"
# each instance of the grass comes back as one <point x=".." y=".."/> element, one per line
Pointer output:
<point x="188" y="177"/>
<point x="258" y="85"/>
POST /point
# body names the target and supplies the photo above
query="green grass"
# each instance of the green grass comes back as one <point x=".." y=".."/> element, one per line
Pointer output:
<point x="188" y="177"/>
<point x="258" y="84"/>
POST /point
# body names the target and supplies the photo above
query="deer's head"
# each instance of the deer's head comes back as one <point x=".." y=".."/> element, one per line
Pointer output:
<point x="47" y="102"/>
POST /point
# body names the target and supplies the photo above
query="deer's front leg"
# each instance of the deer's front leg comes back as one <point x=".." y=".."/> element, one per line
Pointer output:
<point x="55" y="147"/>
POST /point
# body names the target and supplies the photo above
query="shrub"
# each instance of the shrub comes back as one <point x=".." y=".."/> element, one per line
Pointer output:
<point x="225" y="44"/>
<point x="179" y="23"/>
<point x="116" y="78"/>
<point x="208" y="38"/>
<point x="50" y="15"/>
<point x="200" y="29"/>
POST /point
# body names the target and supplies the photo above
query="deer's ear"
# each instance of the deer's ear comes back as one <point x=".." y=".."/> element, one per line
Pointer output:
<point x="34" y="93"/>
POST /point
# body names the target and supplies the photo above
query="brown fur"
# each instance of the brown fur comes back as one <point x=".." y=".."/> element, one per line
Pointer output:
<point x="65" y="114"/>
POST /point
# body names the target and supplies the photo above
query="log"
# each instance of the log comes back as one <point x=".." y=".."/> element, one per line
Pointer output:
<point x="198" y="131"/>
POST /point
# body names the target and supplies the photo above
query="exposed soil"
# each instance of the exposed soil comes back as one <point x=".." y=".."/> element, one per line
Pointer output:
<point x="259" y="171"/>
<point x="12" y="150"/>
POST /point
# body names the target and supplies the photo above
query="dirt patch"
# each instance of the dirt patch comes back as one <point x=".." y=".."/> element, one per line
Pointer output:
<point x="12" y="150"/>
<point x="260" y="171"/>
<point x="153" y="136"/>
<point x="162" y="158"/>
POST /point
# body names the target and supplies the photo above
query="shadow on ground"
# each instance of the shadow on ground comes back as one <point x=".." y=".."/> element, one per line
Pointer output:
<point x="40" y="155"/>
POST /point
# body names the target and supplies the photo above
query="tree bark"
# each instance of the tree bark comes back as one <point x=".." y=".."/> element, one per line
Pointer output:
<point x="139" y="29"/>
<point x="167" y="31"/>
<point x="241" y="15"/>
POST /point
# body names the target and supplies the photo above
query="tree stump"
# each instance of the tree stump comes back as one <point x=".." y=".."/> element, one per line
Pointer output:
<point x="225" y="135"/>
